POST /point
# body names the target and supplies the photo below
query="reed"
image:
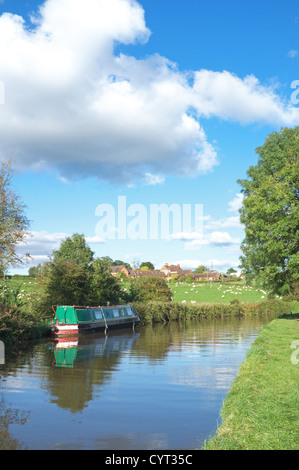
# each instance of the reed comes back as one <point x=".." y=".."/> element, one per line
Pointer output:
<point x="157" y="312"/>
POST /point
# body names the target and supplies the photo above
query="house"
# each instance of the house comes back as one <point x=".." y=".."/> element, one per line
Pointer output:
<point x="142" y="273"/>
<point x="117" y="270"/>
<point x="170" y="269"/>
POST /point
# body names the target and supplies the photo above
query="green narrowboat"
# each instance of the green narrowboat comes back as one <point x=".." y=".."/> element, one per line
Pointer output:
<point x="73" y="319"/>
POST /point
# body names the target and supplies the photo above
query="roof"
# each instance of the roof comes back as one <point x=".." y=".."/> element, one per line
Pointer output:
<point x="116" y="269"/>
<point x="172" y="267"/>
<point x="210" y="274"/>
<point x="143" y="273"/>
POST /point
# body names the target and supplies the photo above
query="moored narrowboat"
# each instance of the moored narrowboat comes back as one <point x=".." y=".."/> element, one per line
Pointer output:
<point x="73" y="319"/>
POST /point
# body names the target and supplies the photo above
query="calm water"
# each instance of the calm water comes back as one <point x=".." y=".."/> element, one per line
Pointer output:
<point x="160" y="387"/>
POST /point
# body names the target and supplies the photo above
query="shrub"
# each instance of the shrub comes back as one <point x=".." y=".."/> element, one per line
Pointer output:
<point x="147" y="289"/>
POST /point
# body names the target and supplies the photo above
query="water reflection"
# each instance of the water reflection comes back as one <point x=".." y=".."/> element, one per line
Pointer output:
<point x="9" y="416"/>
<point x="160" y="387"/>
<point x="94" y="358"/>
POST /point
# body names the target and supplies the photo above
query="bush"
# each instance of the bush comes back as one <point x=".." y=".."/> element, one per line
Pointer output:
<point x="147" y="289"/>
<point x="16" y="325"/>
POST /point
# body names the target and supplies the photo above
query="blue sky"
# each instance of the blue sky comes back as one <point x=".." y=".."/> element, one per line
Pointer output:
<point x="158" y="102"/>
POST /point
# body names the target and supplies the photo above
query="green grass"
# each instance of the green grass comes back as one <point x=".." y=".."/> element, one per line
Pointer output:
<point x="261" y="411"/>
<point x="216" y="292"/>
<point x="18" y="290"/>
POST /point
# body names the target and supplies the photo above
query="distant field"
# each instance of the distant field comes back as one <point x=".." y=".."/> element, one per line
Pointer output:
<point x="21" y="287"/>
<point x="18" y="289"/>
<point x="216" y="292"/>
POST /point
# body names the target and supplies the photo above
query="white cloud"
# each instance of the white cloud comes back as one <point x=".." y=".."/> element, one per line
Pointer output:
<point x="196" y="240"/>
<point x="212" y="239"/>
<point x="42" y="243"/>
<point x="94" y="239"/>
<point x="39" y="245"/>
<point x="292" y="53"/>
<point x="226" y="222"/>
<point x="73" y="105"/>
<point x="229" y="97"/>
<point x="152" y="180"/>
<point x="236" y="203"/>
<point x="221" y="265"/>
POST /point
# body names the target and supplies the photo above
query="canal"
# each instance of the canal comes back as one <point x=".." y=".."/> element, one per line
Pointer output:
<point x="156" y="388"/>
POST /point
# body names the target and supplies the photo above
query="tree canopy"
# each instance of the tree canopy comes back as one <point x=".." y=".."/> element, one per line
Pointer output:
<point x="270" y="214"/>
<point x="14" y="224"/>
<point x="74" y="249"/>
<point x="146" y="289"/>
<point x="201" y="269"/>
<point x="147" y="265"/>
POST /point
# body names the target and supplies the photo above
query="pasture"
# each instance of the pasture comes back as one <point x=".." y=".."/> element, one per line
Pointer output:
<point x="215" y="292"/>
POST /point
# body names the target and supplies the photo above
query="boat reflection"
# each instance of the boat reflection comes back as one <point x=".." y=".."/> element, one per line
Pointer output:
<point x="68" y="352"/>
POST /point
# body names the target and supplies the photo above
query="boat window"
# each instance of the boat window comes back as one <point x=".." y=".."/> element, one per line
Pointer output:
<point x="83" y="315"/>
<point x="98" y="314"/>
<point x="129" y="310"/>
<point x="116" y="313"/>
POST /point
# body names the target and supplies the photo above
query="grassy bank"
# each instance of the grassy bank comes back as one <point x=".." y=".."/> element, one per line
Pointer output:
<point x="261" y="411"/>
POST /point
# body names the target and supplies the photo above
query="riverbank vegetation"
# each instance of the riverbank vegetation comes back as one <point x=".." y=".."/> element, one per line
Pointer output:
<point x="158" y="312"/>
<point x="261" y="410"/>
<point x="26" y="302"/>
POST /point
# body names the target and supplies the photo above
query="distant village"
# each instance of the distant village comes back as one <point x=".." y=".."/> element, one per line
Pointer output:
<point x="167" y="272"/>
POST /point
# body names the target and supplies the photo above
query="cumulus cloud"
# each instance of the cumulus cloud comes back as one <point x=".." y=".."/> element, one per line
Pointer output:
<point x="225" y="222"/>
<point x="229" y="97"/>
<point x="236" y="203"/>
<point x="195" y="240"/>
<point x="73" y="105"/>
<point x="221" y="265"/>
<point x="39" y="245"/>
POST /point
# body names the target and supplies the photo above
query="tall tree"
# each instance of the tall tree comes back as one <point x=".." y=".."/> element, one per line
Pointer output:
<point x="148" y="265"/>
<point x="104" y="287"/>
<point x="74" y="249"/>
<point x="14" y="224"/>
<point x="270" y="213"/>
<point x="201" y="269"/>
<point x="66" y="283"/>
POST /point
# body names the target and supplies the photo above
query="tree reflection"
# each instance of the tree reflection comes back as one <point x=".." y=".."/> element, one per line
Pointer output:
<point x="10" y="416"/>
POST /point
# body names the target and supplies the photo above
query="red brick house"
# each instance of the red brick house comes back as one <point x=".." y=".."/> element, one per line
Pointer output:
<point x="117" y="270"/>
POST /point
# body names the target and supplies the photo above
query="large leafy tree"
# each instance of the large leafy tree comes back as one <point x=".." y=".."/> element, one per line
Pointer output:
<point x="147" y="289"/>
<point x="103" y="287"/>
<point x="65" y="282"/>
<point x="75" y="277"/>
<point x="74" y="249"/>
<point x="14" y="224"/>
<point x="147" y="265"/>
<point x="270" y="214"/>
